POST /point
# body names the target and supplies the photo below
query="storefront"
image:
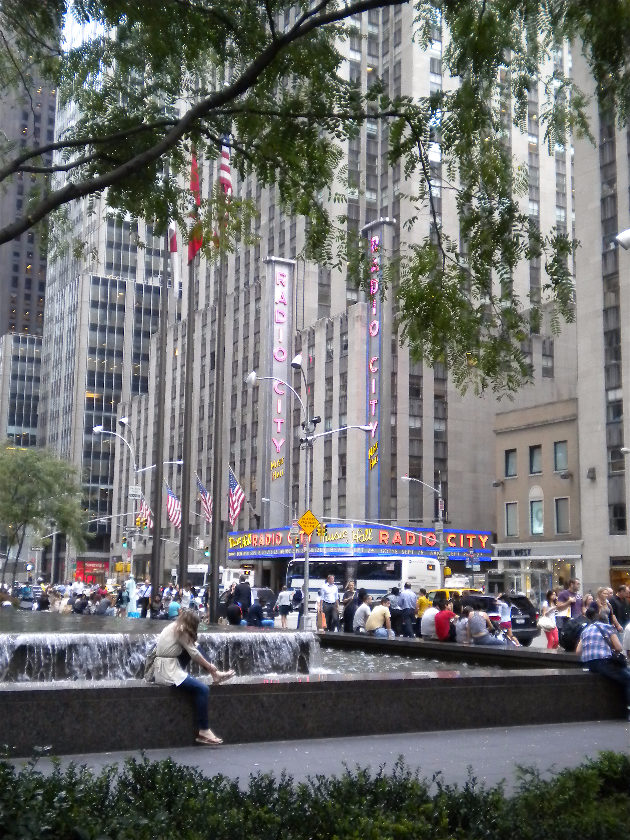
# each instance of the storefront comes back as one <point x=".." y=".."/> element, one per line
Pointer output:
<point x="92" y="571"/>
<point x="534" y="568"/>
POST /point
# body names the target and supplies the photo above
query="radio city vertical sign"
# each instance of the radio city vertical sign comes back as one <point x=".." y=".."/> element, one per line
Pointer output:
<point x="373" y="372"/>
<point x="378" y="368"/>
<point x="275" y="401"/>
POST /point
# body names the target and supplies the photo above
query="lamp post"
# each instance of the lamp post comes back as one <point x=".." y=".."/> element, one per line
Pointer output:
<point x="439" y="524"/>
<point x="307" y="438"/>
<point x="135" y="470"/>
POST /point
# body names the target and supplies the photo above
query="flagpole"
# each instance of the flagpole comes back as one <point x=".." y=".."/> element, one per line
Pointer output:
<point x="217" y="443"/>
<point x="184" y="534"/>
<point x="160" y="373"/>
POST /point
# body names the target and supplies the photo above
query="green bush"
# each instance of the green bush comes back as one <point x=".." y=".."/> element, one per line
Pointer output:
<point x="162" y="800"/>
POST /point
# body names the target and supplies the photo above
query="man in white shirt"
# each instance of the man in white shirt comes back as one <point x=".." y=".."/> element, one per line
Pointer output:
<point x="362" y="612"/>
<point x="329" y="594"/>
<point x="427" y="624"/>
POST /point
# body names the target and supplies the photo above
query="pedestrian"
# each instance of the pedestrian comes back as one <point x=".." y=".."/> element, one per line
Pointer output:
<point x="427" y="623"/>
<point x="600" y="650"/>
<point x="350" y="602"/>
<point x="283" y="606"/>
<point x="569" y="603"/>
<point x="409" y="603"/>
<point x="242" y="595"/>
<point x="605" y="610"/>
<point x="461" y="624"/>
<point x="362" y="612"/>
<point x="379" y="622"/>
<point x="548" y="611"/>
<point x="396" y="611"/>
<point x="480" y="630"/>
<point x="444" y="622"/>
<point x="422" y="606"/>
<point x="620" y="604"/>
<point x="175" y="606"/>
<point x="329" y="595"/>
<point x="178" y="637"/>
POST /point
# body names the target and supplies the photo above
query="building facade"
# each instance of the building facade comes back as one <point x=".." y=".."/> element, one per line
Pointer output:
<point x="355" y="372"/>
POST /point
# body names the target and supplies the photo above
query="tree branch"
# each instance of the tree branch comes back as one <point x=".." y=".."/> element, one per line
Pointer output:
<point x="239" y="86"/>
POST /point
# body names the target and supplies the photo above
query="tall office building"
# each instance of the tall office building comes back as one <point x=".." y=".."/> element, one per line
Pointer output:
<point x="29" y="123"/>
<point x="355" y="371"/>
<point x="602" y="177"/>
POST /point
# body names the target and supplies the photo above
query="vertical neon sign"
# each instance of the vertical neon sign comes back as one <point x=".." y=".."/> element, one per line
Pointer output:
<point x="279" y="366"/>
<point x="373" y="376"/>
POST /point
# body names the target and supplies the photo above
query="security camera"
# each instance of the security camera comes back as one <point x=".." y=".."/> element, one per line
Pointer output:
<point x="623" y="239"/>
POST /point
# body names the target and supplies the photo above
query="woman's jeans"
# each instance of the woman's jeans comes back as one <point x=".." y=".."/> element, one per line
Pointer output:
<point x="200" y="692"/>
<point x="490" y="640"/>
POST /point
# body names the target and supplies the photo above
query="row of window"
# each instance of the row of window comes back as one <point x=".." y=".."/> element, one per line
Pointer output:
<point x="560" y="459"/>
<point x="537" y="517"/>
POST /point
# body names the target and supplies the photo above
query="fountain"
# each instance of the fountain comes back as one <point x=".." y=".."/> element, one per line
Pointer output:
<point x="71" y="683"/>
<point x="54" y="648"/>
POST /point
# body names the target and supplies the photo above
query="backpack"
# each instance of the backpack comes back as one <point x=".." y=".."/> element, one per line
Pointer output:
<point x="570" y="632"/>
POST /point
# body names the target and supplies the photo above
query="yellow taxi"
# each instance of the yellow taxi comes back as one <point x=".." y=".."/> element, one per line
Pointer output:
<point x="447" y="594"/>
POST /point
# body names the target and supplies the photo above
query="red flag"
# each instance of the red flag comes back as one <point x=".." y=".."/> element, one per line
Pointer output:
<point x="195" y="240"/>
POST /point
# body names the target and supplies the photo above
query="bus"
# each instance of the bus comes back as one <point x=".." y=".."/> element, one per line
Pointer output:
<point x="199" y="576"/>
<point x="375" y="574"/>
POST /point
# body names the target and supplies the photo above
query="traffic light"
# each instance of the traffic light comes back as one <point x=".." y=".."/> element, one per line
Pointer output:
<point x="124" y="541"/>
<point x="206" y="551"/>
<point x="138" y="521"/>
<point x="322" y="531"/>
<point x="145" y="524"/>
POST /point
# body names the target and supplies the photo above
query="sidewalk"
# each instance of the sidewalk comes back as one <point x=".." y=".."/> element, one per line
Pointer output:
<point x="491" y="754"/>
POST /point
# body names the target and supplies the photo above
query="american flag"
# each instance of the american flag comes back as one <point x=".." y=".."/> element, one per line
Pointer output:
<point x="173" y="508"/>
<point x="225" y="171"/>
<point x="236" y="497"/>
<point x="146" y="513"/>
<point x="195" y="237"/>
<point x="206" y="500"/>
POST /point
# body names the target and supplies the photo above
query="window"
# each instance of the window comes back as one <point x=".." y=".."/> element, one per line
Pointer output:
<point x="511" y="519"/>
<point x="536" y="521"/>
<point x="510" y="463"/>
<point x="562" y="516"/>
<point x="535" y="460"/>
<point x="560" y="456"/>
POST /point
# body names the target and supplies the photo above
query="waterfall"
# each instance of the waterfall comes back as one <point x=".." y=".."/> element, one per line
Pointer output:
<point x="49" y="657"/>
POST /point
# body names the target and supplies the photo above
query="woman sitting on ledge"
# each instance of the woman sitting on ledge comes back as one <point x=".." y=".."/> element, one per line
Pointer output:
<point x="180" y="638"/>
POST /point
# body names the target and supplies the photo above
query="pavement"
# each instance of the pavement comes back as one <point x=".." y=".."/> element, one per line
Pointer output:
<point x="490" y="755"/>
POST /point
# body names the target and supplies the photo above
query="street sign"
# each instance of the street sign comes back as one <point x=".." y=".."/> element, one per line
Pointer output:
<point x="294" y="531"/>
<point x="135" y="491"/>
<point x="308" y="522"/>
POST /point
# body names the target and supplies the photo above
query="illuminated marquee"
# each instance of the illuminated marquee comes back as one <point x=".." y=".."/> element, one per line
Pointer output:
<point x="341" y="540"/>
<point x="373" y="379"/>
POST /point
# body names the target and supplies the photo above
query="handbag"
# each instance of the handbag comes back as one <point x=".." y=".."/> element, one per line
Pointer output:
<point x="545" y="622"/>
<point x="618" y="657"/>
<point x="149" y="665"/>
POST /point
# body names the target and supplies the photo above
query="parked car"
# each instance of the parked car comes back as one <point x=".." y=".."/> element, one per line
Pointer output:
<point x="524" y="614"/>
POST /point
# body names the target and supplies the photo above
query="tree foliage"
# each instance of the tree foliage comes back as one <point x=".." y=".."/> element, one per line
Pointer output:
<point x="36" y="490"/>
<point x="154" y="80"/>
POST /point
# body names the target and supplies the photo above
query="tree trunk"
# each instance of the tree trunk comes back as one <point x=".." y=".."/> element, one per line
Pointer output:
<point x="17" y="554"/>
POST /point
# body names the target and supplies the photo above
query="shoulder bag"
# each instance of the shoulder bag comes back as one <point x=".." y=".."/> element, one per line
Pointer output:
<point x="618" y="657"/>
<point x="545" y="622"/>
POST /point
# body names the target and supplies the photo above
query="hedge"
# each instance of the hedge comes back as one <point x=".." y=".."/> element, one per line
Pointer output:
<point x="146" y="800"/>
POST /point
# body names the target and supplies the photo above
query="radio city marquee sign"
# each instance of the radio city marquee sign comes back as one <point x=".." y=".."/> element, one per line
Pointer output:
<point x="341" y="540"/>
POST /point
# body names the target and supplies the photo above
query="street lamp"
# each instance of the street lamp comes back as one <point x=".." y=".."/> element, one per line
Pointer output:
<point x="307" y="438"/>
<point x="124" y="421"/>
<point x="439" y="525"/>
